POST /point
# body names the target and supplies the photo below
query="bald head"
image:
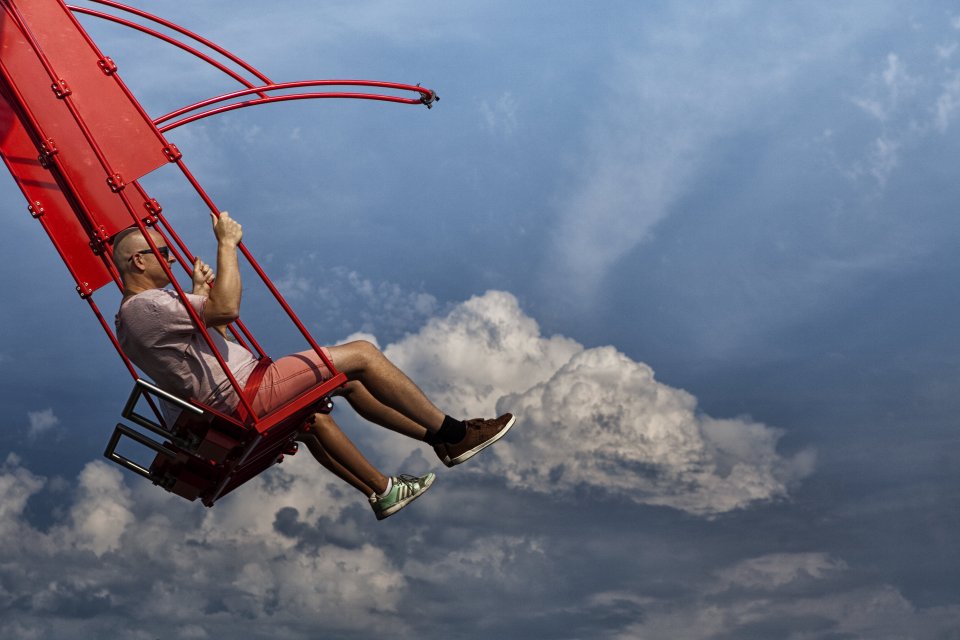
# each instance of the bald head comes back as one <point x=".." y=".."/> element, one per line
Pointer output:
<point x="127" y="244"/>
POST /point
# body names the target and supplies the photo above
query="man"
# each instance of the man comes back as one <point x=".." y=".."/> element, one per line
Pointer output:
<point x="157" y="333"/>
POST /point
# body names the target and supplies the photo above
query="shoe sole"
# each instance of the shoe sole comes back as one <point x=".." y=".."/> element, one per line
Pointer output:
<point x="466" y="455"/>
<point x="386" y="513"/>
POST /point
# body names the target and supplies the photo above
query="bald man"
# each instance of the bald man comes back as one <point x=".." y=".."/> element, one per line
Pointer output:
<point x="157" y="333"/>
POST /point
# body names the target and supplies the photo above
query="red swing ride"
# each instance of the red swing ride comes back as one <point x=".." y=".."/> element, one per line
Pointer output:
<point x="76" y="142"/>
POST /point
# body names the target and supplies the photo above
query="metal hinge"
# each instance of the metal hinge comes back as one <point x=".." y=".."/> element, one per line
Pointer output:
<point x="173" y="154"/>
<point x="116" y="183"/>
<point x="107" y="65"/>
<point x="153" y="207"/>
<point x="61" y="89"/>
<point x="48" y="149"/>
<point x="98" y="240"/>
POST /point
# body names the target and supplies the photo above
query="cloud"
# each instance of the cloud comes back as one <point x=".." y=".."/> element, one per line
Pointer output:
<point x="947" y="103"/>
<point x="798" y="596"/>
<point x="664" y="102"/>
<point x="501" y="115"/>
<point x="774" y="571"/>
<point x="41" y="422"/>
<point x="889" y="87"/>
<point x="122" y="556"/>
<point x="591" y="418"/>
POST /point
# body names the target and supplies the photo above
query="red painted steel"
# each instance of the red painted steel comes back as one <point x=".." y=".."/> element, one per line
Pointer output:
<point x="134" y="147"/>
<point x="49" y="204"/>
<point x="76" y="141"/>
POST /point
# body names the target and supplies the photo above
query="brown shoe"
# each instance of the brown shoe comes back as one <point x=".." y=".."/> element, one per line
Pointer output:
<point x="480" y="435"/>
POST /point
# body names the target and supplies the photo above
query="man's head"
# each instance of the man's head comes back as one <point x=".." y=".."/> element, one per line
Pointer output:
<point x="136" y="262"/>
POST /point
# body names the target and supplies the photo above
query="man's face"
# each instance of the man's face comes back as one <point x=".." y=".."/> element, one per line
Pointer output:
<point x="149" y="262"/>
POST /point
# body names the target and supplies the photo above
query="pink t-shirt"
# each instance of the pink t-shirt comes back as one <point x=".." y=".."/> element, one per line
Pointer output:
<point x="157" y="334"/>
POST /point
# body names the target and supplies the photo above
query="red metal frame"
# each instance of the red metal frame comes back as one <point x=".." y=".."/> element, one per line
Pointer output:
<point x="83" y="188"/>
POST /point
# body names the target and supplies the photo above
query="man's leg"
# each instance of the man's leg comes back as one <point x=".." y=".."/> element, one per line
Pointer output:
<point x="383" y="394"/>
<point x="372" y="410"/>
<point x="334" y="450"/>
<point x="362" y="361"/>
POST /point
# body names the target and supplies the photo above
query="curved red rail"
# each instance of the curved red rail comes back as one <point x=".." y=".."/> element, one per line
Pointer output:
<point x="160" y="36"/>
<point x="193" y="36"/>
<point x="283" y="98"/>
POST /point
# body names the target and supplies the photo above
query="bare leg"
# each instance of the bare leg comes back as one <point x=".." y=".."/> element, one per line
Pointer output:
<point x="331" y="447"/>
<point x="362" y="361"/>
<point x="371" y="409"/>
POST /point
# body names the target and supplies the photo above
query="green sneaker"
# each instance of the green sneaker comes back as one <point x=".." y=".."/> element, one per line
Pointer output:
<point x="404" y="489"/>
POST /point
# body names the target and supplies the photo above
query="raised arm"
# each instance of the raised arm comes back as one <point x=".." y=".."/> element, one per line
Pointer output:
<point x="223" y="304"/>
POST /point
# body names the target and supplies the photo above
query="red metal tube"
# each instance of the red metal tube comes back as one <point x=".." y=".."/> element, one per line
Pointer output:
<point x="263" y="276"/>
<point x="113" y="339"/>
<point x="299" y="96"/>
<point x="425" y="93"/>
<point x="197" y="320"/>
<point x="165" y="38"/>
<point x="190" y="260"/>
<point x="193" y="36"/>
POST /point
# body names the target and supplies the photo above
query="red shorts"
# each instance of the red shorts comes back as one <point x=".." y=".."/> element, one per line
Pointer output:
<point x="288" y="377"/>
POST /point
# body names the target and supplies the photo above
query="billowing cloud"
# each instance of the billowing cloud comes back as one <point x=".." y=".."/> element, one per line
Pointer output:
<point x="122" y="556"/>
<point x="591" y="417"/>
<point x="788" y="595"/>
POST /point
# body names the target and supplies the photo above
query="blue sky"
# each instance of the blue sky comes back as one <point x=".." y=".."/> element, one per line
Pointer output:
<point x="704" y="251"/>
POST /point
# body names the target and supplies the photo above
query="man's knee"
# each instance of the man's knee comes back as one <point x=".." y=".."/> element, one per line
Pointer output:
<point x="354" y="356"/>
<point x="320" y="424"/>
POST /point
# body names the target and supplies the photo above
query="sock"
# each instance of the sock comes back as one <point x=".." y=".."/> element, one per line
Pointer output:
<point x="450" y="432"/>
<point x="387" y="490"/>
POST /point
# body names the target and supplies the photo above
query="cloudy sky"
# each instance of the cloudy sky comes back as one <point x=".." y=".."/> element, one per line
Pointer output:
<point x="704" y="251"/>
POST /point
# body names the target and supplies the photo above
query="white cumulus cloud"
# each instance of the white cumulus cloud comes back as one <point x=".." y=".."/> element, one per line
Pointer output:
<point x="591" y="417"/>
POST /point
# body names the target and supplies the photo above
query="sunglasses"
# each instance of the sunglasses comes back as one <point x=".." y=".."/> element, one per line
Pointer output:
<point x="163" y="251"/>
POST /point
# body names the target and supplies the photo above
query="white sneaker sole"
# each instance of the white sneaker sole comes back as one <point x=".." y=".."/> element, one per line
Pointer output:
<point x="466" y="455"/>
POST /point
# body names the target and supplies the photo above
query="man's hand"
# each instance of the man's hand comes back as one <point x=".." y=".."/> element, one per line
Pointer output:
<point x="227" y="230"/>
<point x="202" y="277"/>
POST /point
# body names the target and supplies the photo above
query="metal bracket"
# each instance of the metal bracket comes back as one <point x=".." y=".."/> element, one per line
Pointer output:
<point x="48" y="149"/>
<point x="428" y="100"/>
<point x="61" y="89"/>
<point x="98" y="239"/>
<point x="98" y="242"/>
<point x="36" y="209"/>
<point x="84" y="290"/>
<point x="153" y="207"/>
<point x="173" y="154"/>
<point x="107" y="65"/>
<point x="116" y="183"/>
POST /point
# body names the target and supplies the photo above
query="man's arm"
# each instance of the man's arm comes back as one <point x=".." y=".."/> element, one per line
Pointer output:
<point x="203" y="277"/>
<point x="223" y="303"/>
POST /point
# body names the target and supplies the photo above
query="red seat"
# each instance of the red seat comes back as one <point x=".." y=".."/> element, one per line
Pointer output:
<point x="205" y="453"/>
